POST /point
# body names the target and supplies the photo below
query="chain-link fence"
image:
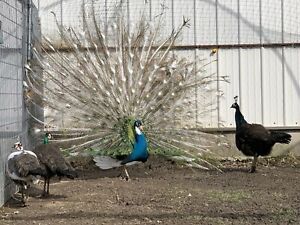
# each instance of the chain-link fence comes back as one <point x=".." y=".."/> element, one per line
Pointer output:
<point x="16" y="19"/>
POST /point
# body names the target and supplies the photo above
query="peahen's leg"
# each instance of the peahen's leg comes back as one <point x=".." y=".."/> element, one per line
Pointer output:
<point x="45" y="183"/>
<point x="23" y="200"/>
<point x="48" y="182"/>
<point x="253" y="166"/>
<point x="22" y="193"/>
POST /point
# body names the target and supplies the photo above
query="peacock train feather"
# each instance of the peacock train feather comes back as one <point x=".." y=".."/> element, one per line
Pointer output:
<point x="99" y="84"/>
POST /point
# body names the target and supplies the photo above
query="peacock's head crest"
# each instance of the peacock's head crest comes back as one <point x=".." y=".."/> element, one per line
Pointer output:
<point x="138" y="123"/>
<point x="138" y="126"/>
<point x="239" y="118"/>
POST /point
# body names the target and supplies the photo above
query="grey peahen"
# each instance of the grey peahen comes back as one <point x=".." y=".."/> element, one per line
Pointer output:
<point x="22" y="166"/>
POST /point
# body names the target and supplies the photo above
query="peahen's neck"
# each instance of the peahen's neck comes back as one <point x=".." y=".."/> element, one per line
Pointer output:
<point x="239" y="118"/>
<point x="46" y="140"/>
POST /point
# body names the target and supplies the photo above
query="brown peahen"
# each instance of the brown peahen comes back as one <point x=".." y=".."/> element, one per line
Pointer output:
<point x="53" y="161"/>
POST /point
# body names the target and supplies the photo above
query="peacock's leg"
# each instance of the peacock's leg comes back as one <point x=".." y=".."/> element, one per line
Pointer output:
<point x="126" y="172"/>
<point x="253" y="167"/>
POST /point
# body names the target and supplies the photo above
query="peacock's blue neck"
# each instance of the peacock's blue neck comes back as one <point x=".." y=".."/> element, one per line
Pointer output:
<point x="239" y="118"/>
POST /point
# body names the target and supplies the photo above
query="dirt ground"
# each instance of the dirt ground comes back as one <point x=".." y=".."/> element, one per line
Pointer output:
<point x="164" y="192"/>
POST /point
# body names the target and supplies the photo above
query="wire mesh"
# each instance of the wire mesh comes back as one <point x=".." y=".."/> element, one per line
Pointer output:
<point x="244" y="27"/>
<point x="13" y="52"/>
<point x="216" y="22"/>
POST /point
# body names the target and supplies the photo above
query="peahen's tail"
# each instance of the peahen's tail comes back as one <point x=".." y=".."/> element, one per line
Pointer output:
<point x="69" y="173"/>
<point x="106" y="162"/>
<point x="38" y="171"/>
<point x="281" y="137"/>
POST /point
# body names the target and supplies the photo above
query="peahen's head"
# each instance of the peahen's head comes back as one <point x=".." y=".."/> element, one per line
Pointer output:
<point x="47" y="137"/>
<point x="18" y="146"/>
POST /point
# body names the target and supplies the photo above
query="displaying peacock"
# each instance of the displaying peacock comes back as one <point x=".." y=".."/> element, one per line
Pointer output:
<point x="22" y="167"/>
<point x="101" y="77"/>
<point x="53" y="162"/>
<point x="139" y="151"/>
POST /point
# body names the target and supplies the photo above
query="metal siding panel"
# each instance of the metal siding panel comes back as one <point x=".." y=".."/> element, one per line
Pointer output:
<point x="48" y="25"/>
<point x="36" y="3"/>
<point x="272" y="87"/>
<point x="184" y="8"/>
<point x="228" y="66"/>
<point x="227" y="22"/>
<point x="156" y="10"/>
<point x="271" y="21"/>
<point x="207" y="95"/>
<point x="137" y="9"/>
<point x="190" y="97"/>
<point x="291" y="21"/>
<point x="10" y="93"/>
<point x="250" y="98"/>
<point x="72" y="15"/>
<point x="292" y="86"/>
<point x="206" y="22"/>
<point x="107" y="10"/>
<point x="249" y="22"/>
<point x="111" y="9"/>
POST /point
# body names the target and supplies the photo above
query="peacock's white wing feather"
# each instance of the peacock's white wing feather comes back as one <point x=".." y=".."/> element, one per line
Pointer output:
<point x="106" y="162"/>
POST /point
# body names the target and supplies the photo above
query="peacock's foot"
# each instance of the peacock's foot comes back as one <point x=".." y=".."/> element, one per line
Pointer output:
<point x="252" y="170"/>
<point x="125" y="178"/>
<point x="45" y="195"/>
<point x="23" y="201"/>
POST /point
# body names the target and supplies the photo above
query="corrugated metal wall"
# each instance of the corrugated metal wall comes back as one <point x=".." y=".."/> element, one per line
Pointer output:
<point x="258" y="42"/>
<point x="13" y="53"/>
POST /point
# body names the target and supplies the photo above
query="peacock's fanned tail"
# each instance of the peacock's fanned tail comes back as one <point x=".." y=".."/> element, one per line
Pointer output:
<point x="94" y="82"/>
